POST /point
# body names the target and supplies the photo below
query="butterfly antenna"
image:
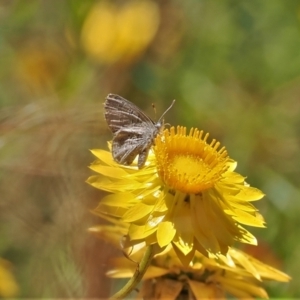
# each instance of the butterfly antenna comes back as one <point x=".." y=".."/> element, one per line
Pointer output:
<point x="154" y="108"/>
<point x="166" y="110"/>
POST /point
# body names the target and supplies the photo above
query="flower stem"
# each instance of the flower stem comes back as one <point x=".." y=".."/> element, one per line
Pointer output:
<point x="138" y="275"/>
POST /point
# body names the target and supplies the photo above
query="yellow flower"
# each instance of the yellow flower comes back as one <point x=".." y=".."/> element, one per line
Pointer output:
<point x="8" y="285"/>
<point x="39" y="64"/>
<point x="237" y="273"/>
<point x="114" y="32"/>
<point x="188" y="195"/>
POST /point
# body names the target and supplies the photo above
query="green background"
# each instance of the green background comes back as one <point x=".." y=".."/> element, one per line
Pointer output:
<point x="233" y="68"/>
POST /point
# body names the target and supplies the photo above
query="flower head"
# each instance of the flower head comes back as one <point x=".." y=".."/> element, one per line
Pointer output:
<point x="8" y="284"/>
<point x="188" y="195"/>
<point x="187" y="163"/>
<point x="119" y="32"/>
<point x="237" y="273"/>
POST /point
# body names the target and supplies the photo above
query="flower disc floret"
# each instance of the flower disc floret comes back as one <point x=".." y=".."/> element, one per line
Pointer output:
<point x="186" y="162"/>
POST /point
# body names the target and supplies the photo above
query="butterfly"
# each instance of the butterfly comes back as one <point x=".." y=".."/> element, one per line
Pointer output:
<point x="133" y="131"/>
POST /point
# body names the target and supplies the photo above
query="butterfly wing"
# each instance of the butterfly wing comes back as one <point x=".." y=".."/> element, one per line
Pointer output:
<point x="133" y="130"/>
<point x="121" y="113"/>
<point x="127" y="145"/>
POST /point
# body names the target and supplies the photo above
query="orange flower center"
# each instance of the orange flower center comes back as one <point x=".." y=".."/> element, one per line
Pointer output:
<point x="186" y="162"/>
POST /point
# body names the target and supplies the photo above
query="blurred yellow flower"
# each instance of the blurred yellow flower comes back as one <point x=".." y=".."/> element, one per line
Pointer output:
<point x="40" y="64"/>
<point x="8" y="285"/>
<point x="237" y="273"/>
<point x="188" y="195"/>
<point x="114" y="32"/>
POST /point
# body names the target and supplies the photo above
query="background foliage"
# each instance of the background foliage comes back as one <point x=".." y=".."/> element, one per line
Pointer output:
<point x="233" y="67"/>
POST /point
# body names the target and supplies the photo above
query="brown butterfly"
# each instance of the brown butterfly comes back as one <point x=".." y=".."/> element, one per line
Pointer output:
<point x="133" y="131"/>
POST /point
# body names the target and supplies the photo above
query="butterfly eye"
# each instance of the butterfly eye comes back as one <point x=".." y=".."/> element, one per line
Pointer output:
<point x="158" y="125"/>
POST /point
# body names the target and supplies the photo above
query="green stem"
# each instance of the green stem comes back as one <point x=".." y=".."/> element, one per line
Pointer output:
<point x="137" y="277"/>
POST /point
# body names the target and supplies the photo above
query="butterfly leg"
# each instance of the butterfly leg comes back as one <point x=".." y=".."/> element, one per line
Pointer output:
<point x="143" y="157"/>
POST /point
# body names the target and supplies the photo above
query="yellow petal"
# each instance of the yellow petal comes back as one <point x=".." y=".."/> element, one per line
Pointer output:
<point x="205" y="291"/>
<point x="137" y="212"/>
<point x="106" y="184"/>
<point x="250" y="194"/>
<point x="243" y="260"/>
<point x="165" y="233"/>
<point x="247" y="219"/>
<point x="125" y="199"/>
<point x="103" y="155"/>
<point x="240" y="294"/>
<point x="266" y="271"/>
<point x="112" y="234"/>
<point x="154" y="271"/>
<point x="247" y="237"/>
<point x="109" y="171"/>
<point x="183" y="246"/>
<point x="167" y="289"/>
<point x="242" y="287"/>
<point x="234" y="177"/>
<point x="120" y="273"/>
<point x="202" y="225"/>
<point x="140" y="232"/>
<point x="103" y="210"/>
<point x="240" y="205"/>
<point x="183" y="224"/>
<point x="231" y="165"/>
<point x="179" y="250"/>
